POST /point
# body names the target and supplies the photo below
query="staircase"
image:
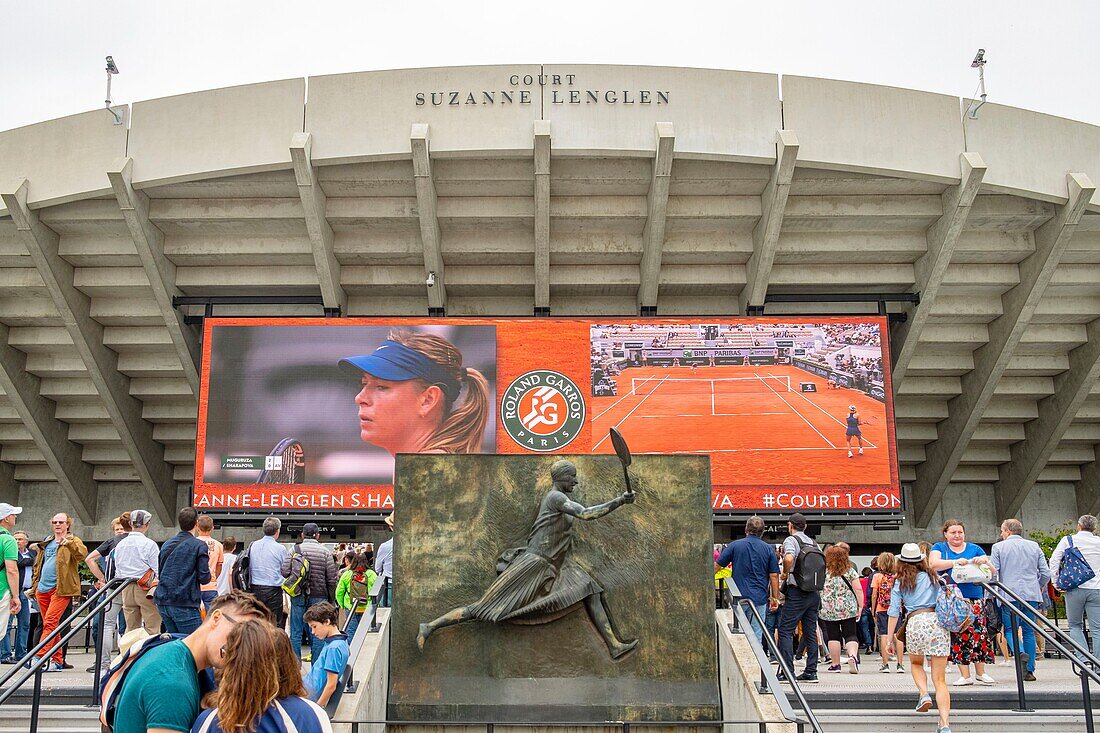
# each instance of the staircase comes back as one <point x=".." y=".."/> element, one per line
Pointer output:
<point x="963" y="721"/>
<point x="51" y="719"/>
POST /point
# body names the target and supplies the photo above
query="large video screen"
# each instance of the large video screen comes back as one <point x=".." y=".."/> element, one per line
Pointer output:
<point x="308" y="414"/>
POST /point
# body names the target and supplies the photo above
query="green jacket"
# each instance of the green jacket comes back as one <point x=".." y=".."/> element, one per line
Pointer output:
<point x="343" y="589"/>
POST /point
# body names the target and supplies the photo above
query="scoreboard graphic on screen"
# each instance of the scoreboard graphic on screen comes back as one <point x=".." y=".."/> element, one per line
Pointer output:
<point x="304" y="414"/>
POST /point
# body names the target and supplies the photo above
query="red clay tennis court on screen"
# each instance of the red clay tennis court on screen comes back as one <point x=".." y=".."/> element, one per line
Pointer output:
<point x="764" y="424"/>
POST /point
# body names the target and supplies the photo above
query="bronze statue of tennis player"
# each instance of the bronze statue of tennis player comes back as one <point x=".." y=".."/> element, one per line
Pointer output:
<point x="540" y="582"/>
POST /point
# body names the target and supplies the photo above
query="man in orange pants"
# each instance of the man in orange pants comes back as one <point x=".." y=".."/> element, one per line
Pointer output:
<point x="56" y="579"/>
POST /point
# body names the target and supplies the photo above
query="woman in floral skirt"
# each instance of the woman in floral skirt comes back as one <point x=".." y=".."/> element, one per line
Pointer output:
<point x="973" y="645"/>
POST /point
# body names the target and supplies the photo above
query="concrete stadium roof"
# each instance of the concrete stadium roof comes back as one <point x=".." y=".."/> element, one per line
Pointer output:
<point x="588" y="190"/>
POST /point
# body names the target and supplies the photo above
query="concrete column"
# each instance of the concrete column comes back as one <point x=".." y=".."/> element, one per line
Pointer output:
<point x="321" y="237"/>
<point x="429" y="221"/>
<point x="161" y="271"/>
<point x="1043" y="434"/>
<point x="101" y="363"/>
<point x="542" y="214"/>
<point x="1088" y="488"/>
<point x="50" y="435"/>
<point x="932" y="266"/>
<point x="1018" y="306"/>
<point x="653" y="236"/>
<point x="765" y="236"/>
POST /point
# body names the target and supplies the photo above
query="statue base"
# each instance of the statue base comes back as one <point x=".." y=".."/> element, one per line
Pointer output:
<point x="653" y="559"/>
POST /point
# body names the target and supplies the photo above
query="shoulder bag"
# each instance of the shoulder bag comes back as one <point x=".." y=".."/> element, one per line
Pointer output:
<point x="1075" y="569"/>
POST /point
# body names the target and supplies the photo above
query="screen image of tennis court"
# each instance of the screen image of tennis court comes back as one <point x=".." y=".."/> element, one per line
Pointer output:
<point x="756" y="422"/>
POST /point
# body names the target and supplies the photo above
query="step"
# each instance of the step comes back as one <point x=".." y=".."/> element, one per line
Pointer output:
<point x="51" y="719"/>
<point x="1001" y="721"/>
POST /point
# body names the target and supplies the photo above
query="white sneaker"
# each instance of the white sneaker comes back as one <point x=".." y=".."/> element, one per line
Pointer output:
<point x="900" y="669"/>
<point x="861" y="451"/>
<point x="849" y="454"/>
<point x="985" y="679"/>
<point x="962" y="682"/>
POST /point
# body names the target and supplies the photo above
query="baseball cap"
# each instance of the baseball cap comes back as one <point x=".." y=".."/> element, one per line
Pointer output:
<point x="6" y="510"/>
<point x="310" y="529"/>
<point x="798" y="520"/>
<point x="851" y="408"/>
<point x="140" y="518"/>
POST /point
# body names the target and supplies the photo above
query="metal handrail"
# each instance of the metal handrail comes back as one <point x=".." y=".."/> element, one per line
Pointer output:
<point x="1058" y="639"/>
<point x="112" y="590"/>
<point x="769" y="679"/>
<point x="622" y="725"/>
<point x="1054" y="628"/>
<point x="1086" y="666"/>
<point x="98" y="602"/>
<point x="346" y="681"/>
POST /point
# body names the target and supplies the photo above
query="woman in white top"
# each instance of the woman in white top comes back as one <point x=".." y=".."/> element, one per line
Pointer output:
<point x="1085" y="598"/>
<point x="229" y="545"/>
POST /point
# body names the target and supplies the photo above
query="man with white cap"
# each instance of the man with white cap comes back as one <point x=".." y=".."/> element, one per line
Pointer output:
<point x="9" y="551"/>
<point x="136" y="556"/>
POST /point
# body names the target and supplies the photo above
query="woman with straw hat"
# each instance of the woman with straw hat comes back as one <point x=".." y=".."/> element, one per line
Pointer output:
<point x="916" y="588"/>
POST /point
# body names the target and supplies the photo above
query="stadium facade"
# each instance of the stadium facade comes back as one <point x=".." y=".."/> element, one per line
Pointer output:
<point x="569" y="190"/>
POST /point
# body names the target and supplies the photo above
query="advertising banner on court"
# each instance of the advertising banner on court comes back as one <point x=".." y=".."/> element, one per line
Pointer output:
<point x="308" y="414"/>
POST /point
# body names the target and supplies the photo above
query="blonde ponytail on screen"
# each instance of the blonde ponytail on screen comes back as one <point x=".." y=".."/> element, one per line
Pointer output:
<point x="465" y="417"/>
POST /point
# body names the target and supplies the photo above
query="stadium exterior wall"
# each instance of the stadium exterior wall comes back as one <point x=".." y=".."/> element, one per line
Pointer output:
<point x="716" y="115"/>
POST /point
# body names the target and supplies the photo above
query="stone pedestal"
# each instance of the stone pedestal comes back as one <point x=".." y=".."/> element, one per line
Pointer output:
<point x="456" y="514"/>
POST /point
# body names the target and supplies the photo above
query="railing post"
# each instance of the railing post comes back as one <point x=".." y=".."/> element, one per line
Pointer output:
<point x="1014" y="647"/>
<point x="98" y="655"/>
<point x="36" y="701"/>
<point x="1086" y="699"/>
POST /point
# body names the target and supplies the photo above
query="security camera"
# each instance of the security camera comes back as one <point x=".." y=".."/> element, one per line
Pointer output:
<point x="111" y="68"/>
<point x="430" y="282"/>
<point x="979" y="59"/>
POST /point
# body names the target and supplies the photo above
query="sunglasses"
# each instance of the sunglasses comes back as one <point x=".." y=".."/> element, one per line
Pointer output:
<point x="58" y="522"/>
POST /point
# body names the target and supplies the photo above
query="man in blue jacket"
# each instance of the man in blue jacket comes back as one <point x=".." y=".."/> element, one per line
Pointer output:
<point x="184" y="567"/>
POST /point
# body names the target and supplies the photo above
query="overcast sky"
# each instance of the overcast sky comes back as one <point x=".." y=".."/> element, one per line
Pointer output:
<point x="1042" y="56"/>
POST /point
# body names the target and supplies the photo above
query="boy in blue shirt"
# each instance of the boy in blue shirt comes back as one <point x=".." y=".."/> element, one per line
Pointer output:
<point x="325" y="670"/>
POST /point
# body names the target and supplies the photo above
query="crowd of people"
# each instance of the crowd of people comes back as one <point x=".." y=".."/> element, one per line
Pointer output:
<point x="245" y="615"/>
<point x="860" y="335"/>
<point x="813" y="598"/>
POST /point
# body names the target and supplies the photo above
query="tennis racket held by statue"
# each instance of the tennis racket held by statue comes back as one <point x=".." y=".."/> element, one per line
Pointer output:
<point x="623" y="451"/>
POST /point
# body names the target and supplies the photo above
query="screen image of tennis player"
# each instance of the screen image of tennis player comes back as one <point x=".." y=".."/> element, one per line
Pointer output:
<point x="308" y="414"/>
<point x="302" y="405"/>
<point x="773" y="403"/>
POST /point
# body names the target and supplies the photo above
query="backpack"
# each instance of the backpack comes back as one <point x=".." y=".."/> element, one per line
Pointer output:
<point x="954" y="611"/>
<point x="110" y="687"/>
<point x="242" y="572"/>
<point x="297" y="581"/>
<point x="360" y="587"/>
<point x="1075" y="569"/>
<point x="885" y="589"/>
<point x="809" y="567"/>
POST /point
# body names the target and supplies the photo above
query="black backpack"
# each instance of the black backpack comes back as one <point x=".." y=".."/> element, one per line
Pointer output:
<point x="809" y="567"/>
<point x="242" y="572"/>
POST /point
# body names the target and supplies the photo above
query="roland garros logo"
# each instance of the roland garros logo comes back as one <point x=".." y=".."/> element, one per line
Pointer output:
<point x="542" y="410"/>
